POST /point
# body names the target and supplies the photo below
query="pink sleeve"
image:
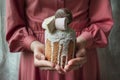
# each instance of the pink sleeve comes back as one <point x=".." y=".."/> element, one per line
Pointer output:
<point x="101" y="22"/>
<point x="17" y="34"/>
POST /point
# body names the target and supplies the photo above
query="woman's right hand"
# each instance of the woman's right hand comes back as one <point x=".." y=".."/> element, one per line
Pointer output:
<point x="39" y="58"/>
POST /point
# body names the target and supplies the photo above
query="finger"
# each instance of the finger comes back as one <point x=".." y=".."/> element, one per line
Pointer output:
<point x="67" y="68"/>
<point x="59" y="69"/>
<point x="43" y="63"/>
<point x="81" y="52"/>
<point x="75" y="67"/>
<point x="77" y="61"/>
<point x="71" y="63"/>
<point x="39" y="55"/>
<point x="71" y="67"/>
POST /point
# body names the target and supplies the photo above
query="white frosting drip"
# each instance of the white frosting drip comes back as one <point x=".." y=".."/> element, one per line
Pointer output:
<point x="63" y="37"/>
<point x="58" y="59"/>
<point x="52" y="50"/>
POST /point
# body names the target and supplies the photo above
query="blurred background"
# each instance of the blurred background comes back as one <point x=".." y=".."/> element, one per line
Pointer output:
<point x="109" y="57"/>
<point x="9" y="62"/>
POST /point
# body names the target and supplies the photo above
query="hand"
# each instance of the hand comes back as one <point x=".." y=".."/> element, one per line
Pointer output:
<point x="39" y="58"/>
<point x="81" y="57"/>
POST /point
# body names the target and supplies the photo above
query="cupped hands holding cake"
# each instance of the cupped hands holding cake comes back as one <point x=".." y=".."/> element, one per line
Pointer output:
<point x="62" y="51"/>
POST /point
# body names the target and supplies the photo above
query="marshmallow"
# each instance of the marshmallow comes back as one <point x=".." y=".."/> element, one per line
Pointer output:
<point x="61" y="23"/>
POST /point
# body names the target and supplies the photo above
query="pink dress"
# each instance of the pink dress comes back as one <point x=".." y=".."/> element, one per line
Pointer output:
<point x="92" y="19"/>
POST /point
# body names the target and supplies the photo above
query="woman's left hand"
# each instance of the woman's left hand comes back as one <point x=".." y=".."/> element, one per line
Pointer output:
<point x="81" y="57"/>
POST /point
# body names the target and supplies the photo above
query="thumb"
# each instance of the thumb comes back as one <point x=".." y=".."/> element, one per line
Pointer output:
<point x="39" y="55"/>
<point x="43" y="63"/>
<point x="81" y="52"/>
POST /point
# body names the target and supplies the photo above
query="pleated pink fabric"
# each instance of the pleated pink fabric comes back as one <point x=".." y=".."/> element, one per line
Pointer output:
<point x="92" y="19"/>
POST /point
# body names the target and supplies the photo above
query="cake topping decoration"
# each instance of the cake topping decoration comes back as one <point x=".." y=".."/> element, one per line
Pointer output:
<point x="59" y="21"/>
<point x="59" y="37"/>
